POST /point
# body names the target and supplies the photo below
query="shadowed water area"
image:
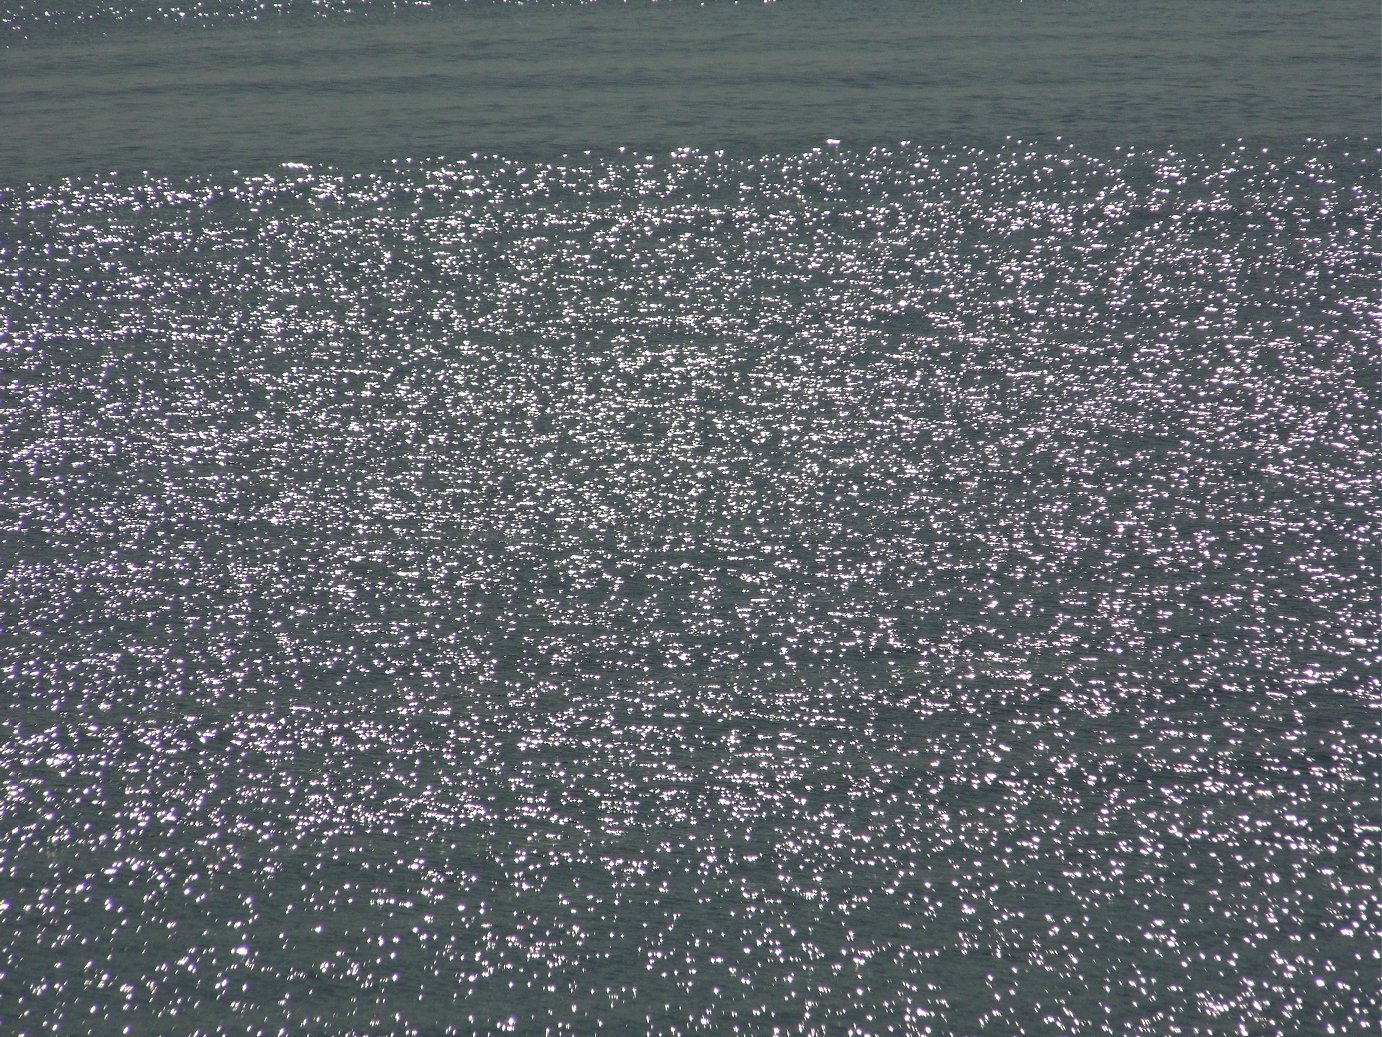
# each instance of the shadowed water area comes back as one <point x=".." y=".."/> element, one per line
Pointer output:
<point x="739" y="584"/>
<point x="196" y="89"/>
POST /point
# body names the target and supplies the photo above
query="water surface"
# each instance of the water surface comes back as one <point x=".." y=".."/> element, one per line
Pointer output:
<point x="188" y="96"/>
<point x="758" y="586"/>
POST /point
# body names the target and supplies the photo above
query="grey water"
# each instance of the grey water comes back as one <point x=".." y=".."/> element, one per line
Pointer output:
<point x="804" y="518"/>
<point x="204" y="89"/>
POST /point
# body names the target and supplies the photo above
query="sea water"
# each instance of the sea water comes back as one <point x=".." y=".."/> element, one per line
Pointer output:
<point x="803" y="519"/>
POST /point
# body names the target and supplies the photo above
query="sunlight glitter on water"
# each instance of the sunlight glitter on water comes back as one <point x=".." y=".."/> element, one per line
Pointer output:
<point x="927" y="589"/>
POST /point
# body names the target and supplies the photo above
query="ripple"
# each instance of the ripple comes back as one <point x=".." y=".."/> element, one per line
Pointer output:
<point x="915" y="589"/>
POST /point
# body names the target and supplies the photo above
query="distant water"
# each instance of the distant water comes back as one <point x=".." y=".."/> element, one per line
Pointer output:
<point x="743" y="584"/>
<point x="194" y="88"/>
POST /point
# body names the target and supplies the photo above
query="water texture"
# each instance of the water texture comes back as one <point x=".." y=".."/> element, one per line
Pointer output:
<point x="919" y="589"/>
<point x="923" y="588"/>
<point x="537" y="83"/>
